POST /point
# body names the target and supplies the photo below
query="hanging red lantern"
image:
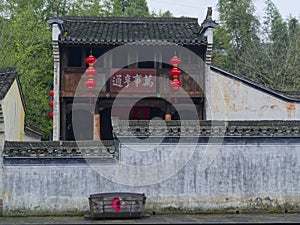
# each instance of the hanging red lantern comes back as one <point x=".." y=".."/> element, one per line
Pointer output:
<point x="90" y="60"/>
<point x="175" y="84"/>
<point x="51" y="103"/>
<point x="90" y="84"/>
<point x="175" y="73"/>
<point x="51" y="93"/>
<point x="90" y="73"/>
<point x="175" y="61"/>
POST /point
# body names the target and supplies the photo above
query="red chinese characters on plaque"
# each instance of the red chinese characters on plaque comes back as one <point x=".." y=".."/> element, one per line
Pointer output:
<point x="133" y="81"/>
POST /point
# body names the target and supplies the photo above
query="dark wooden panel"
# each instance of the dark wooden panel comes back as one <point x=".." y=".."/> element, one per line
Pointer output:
<point x="72" y="82"/>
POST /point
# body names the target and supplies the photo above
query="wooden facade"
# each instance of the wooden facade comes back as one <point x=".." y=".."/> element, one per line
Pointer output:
<point x="124" y="49"/>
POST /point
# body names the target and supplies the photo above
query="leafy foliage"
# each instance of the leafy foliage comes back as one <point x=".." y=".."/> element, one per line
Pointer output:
<point x="265" y="52"/>
<point x="26" y="45"/>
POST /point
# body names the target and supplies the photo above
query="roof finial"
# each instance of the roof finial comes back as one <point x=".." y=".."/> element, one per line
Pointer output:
<point x="209" y="14"/>
<point x="209" y="22"/>
<point x="55" y="10"/>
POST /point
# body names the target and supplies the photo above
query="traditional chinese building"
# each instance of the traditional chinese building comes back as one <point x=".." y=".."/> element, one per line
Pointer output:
<point x="133" y="64"/>
<point x="124" y="68"/>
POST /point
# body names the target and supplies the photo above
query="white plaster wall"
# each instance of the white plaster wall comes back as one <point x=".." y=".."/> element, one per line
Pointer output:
<point x="14" y="114"/>
<point x="229" y="99"/>
<point x="248" y="178"/>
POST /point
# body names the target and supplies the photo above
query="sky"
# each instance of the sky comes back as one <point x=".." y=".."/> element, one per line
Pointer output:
<point x="198" y="8"/>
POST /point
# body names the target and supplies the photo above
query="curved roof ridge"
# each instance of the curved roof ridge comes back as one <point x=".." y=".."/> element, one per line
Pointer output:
<point x="130" y="19"/>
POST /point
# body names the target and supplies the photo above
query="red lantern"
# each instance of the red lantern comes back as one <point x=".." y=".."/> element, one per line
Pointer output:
<point x="51" y="115"/>
<point x="51" y="93"/>
<point x="90" y="72"/>
<point x="90" y="84"/>
<point x="175" y="84"/>
<point x="175" y="72"/>
<point x="175" y="61"/>
<point x="51" y="104"/>
<point x="90" y="60"/>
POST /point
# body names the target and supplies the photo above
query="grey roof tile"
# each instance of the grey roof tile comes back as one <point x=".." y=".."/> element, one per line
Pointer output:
<point x="7" y="77"/>
<point x="119" y="30"/>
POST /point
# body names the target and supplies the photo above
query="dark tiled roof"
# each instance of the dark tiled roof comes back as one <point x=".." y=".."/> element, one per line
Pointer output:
<point x="7" y="77"/>
<point x="113" y="30"/>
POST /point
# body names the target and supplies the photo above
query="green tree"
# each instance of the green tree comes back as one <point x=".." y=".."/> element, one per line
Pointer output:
<point x="129" y="8"/>
<point x="27" y="46"/>
<point x="166" y="14"/>
<point x="236" y="35"/>
<point x="87" y="8"/>
<point x="137" y="8"/>
<point x="280" y="46"/>
<point x="237" y="18"/>
<point x="269" y="57"/>
<point x="118" y="8"/>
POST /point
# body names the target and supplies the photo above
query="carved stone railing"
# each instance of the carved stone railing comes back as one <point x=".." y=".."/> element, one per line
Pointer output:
<point x="66" y="150"/>
<point x="186" y="128"/>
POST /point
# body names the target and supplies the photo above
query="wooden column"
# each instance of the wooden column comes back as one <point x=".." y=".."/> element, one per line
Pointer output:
<point x="168" y="115"/>
<point x="97" y="129"/>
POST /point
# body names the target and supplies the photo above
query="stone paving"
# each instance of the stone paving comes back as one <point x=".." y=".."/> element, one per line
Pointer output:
<point x="162" y="219"/>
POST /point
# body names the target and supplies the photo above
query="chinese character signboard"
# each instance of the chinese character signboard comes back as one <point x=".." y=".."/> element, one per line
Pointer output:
<point x="133" y="81"/>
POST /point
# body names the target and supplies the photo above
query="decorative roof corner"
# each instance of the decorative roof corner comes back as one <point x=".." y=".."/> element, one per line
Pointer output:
<point x="55" y="20"/>
<point x="56" y="24"/>
<point x="208" y="22"/>
<point x="207" y="27"/>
